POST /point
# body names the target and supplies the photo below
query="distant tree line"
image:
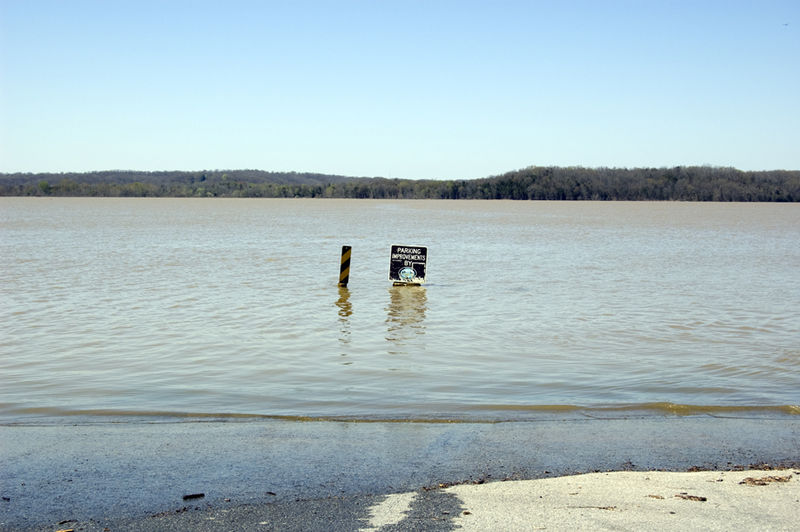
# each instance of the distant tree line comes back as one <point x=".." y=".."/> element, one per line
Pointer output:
<point x="680" y="183"/>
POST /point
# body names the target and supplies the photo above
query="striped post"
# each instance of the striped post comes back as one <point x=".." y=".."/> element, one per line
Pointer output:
<point x="344" y="270"/>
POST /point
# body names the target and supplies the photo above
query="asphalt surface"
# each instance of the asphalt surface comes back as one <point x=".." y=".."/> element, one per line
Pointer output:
<point x="290" y="475"/>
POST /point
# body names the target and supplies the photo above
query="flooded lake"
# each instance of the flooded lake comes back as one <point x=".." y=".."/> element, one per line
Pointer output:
<point x="213" y="308"/>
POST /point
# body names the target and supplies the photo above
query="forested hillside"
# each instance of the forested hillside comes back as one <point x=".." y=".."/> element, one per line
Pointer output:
<point x="694" y="183"/>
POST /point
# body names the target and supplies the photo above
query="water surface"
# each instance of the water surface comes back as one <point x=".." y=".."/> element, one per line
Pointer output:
<point x="141" y="307"/>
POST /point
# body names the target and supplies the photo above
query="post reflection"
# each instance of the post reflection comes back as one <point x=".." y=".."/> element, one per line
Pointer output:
<point x="345" y="311"/>
<point x="405" y="315"/>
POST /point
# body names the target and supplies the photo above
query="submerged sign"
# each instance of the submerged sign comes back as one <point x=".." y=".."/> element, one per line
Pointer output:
<point x="407" y="264"/>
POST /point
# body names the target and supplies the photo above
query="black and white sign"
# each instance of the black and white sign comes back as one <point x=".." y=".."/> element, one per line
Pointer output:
<point x="407" y="264"/>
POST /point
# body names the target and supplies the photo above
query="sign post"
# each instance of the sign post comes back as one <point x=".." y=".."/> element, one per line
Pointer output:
<point x="344" y="268"/>
<point x="407" y="265"/>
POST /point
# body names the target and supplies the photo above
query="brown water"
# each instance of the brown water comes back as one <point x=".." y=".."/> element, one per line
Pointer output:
<point x="214" y="308"/>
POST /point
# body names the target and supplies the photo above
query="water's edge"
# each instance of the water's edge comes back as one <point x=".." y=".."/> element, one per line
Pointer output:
<point x="494" y="414"/>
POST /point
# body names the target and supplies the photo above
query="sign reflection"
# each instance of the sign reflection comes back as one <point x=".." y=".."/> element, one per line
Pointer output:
<point x="345" y="311"/>
<point x="405" y="315"/>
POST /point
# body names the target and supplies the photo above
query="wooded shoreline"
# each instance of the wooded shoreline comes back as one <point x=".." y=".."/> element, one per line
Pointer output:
<point x="680" y="183"/>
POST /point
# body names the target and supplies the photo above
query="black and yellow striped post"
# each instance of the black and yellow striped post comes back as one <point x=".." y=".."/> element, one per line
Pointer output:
<point x="344" y="270"/>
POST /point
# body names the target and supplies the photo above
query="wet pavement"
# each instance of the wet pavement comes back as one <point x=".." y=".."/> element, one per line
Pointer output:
<point x="326" y="475"/>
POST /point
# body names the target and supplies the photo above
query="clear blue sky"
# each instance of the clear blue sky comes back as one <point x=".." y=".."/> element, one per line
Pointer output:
<point x="405" y="88"/>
